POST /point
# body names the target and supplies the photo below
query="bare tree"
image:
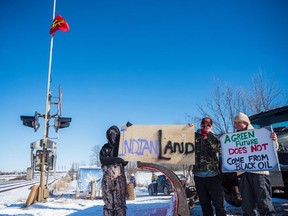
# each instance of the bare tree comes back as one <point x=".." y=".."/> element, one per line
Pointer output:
<point x="265" y="94"/>
<point x="95" y="157"/>
<point x="221" y="106"/>
<point x="225" y="102"/>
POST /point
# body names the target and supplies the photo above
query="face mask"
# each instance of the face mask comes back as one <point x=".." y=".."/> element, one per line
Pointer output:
<point x="113" y="136"/>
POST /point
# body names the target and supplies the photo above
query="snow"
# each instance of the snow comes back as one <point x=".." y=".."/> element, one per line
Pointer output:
<point x="63" y="202"/>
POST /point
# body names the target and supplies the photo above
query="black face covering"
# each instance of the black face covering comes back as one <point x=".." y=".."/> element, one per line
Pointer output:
<point x="113" y="136"/>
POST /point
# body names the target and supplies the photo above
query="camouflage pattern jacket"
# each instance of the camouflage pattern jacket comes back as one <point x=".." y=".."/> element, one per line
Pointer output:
<point x="206" y="153"/>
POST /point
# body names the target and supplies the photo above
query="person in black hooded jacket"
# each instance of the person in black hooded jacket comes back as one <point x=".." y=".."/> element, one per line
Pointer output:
<point x="114" y="185"/>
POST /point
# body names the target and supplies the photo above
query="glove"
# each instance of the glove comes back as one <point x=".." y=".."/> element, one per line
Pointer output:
<point x="123" y="162"/>
<point x="204" y="133"/>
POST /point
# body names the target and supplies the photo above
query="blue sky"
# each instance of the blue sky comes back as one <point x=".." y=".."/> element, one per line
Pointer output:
<point x="144" y="61"/>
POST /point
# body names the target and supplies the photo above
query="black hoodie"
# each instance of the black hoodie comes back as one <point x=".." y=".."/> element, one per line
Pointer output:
<point x="109" y="151"/>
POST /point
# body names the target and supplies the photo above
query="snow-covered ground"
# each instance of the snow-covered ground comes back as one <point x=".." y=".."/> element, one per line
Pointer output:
<point x="63" y="202"/>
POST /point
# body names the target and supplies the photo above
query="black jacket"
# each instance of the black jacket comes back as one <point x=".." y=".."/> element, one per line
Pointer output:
<point x="109" y="151"/>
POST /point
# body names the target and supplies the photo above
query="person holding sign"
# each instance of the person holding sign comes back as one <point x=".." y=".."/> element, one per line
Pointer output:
<point x="114" y="186"/>
<point x="206" y="170"/>
<point x="255" y="187"/>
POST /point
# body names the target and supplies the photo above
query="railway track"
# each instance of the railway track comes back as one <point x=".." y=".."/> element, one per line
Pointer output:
<point x="11" y="185"/>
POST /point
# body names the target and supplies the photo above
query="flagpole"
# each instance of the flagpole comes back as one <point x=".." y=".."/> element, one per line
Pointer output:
<point x="49" y="79"/>
<point x="43" y="191"/>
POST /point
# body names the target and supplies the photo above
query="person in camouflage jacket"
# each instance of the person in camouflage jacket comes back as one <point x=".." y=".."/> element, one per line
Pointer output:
<point x="114" y="184"/>
<point x="206" y="170"/>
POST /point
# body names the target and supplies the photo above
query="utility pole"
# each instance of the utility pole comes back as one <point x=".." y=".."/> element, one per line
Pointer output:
<point x="32" y="121"/>
<point x="43" y="191"/>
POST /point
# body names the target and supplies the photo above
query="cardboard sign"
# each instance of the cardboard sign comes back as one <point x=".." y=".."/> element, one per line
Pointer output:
<point x="249" y="150"/>
<point x="172" y="144"/>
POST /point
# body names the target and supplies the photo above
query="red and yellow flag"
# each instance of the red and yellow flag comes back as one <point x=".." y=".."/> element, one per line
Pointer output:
<point x="59" y="23"/>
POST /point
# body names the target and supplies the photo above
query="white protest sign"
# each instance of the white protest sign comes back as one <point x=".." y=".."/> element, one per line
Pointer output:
<point x="249" y="150"/>
<point x="172" y="144"/>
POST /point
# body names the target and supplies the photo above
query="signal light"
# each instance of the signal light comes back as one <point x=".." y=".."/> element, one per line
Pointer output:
<point x="31" y="121"/>
<point x="61" y="122"/>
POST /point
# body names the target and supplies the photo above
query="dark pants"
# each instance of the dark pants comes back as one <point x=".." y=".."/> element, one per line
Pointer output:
<point x="210" y="191"/>
<point x="114" y="212"/>
<point x="256" y="192"/>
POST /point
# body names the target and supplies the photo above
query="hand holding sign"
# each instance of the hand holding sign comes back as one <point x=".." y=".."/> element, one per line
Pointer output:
<point x="250" y="150"/>
<point x="273" y="136"/>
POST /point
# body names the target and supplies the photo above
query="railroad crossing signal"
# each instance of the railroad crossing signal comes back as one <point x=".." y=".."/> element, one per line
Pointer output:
<point x="39" y="144"/>
<point x="31" y="121"/>
<point x="61" y="122"/>
<point x="44" y="159"/>
<point x="49" y="159"/>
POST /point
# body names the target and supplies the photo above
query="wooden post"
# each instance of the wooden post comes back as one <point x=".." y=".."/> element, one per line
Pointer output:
<point x="32" y="196"/>
<point x="93" y="190"/>
<point x="130" y="190"/>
